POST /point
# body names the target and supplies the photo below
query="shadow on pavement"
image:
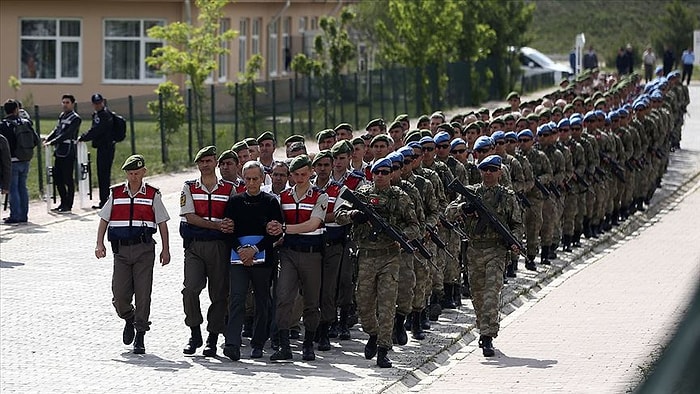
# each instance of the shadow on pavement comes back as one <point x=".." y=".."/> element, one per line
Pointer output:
<point x="153" y="361"/>
<point x="10" y="264"/>
<point x="502" y="360"/>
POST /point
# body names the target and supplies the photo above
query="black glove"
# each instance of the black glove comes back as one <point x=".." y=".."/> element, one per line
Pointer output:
<point x="468" y="208"/>
<point x="359" y="217"/>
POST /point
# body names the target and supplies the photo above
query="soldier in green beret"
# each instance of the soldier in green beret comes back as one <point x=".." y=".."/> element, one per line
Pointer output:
<point x="343" y="131"/>
<point x="405" y="122"/>
<point x="326" y="139"/>
<point x="266" y="145"/>
<point x="423" y="122"/>
<point x="396" y="134"/>
<point x="357" y="162"/>
<point x="253" y="148"/>
<point x="376" y="127"/>
<point x="295" y="149"/>
<point x="513" y="100"/>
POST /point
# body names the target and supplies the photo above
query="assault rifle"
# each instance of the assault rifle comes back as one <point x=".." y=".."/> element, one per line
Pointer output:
<point x="523" y="199"/>
<point x="453" y="227"/>
<point x="617" y="169"/>
<point x="486" y="214"/>
<point x="582" y="181"/>
<point x="432" y="231"/>
<point x="554" y="189"/>
<point x="542" y="188"/>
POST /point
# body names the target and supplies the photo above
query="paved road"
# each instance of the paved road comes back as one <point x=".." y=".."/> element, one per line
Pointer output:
<point x="60" y="332"/>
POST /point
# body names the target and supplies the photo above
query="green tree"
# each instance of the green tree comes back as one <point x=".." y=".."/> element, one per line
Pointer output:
<point x="676" y="29"/>
<point x="172" y="115"/>
<point x="193" y="51"/>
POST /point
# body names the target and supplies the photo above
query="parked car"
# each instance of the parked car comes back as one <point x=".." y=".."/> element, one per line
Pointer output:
<point x="534" y="62"/>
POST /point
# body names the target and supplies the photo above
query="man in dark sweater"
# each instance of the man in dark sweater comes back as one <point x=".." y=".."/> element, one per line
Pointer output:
<point x="251" y="260"/>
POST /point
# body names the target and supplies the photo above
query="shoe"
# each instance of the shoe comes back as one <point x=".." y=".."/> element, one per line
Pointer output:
<point x="371" y="347"/>
<point x="324" y="343"/>
<point x="139" y="347"/>
<point x="96" y="207"/>
<point x="56" y="209"/>
<point x="128" y="333"/>
<point x="510" y="272"/>
<point x="11" y="221"/>
<point x="256" y="353"/>
<point x="486" y="345"/>
<point x="544" y="256"/>
<point x="530" y="263"/>
<point x="307" y="351"/>
<point x="294" y="334"/>
<point x="382" y="358"/>
<point x="435" y="309"/>
<point x="343" y="327"/>
<point x="416" y="329"/>
<point x="210" y="349"/>
<point x="194" y="342"/>
<point x="424" y="321"/>
<point x="233" y="352"/>
<point x="64" y="210"/>
<point x="457" y="294"/>
<point x="447" y="302"/>
<point x="247" y="331"/>
<point x="333" y="330"/>
<point x="400" y="330"/>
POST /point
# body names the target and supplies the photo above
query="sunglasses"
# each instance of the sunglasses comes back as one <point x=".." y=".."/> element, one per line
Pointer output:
<point x="407" y="161"/>
<point x="525" y="139"/>
<point x="458" y="151"/>
<point x="427" y="149"/>
<point x="444" y="146"/>
<point x="481" y="150"/>
<point x="500" y="142"/>
<point x="383" y="172"/>
<point x="490" y="169"/>
<point x="396" y="168"/>
<point x="564" y="130"/>
<point x="575" y="128"/>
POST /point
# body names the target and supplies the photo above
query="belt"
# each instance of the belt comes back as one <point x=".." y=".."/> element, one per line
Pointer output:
<point x="377" y="252"/>
<point x="332" y="242"/>
<point x="205" y="239"/>
<point x="305" y="248"/>
<point x="134" y="241"/>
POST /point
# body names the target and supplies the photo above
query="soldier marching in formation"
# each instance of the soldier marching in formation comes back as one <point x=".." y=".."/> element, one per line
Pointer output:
<point x="397" y="225"/>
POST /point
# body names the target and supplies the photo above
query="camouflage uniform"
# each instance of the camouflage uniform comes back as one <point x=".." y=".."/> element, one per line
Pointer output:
<point x="542" y="170"/>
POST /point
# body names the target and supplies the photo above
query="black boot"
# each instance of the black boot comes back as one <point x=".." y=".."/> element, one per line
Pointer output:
<point x="530" y="263"/>
<point x="408" y="322"/>
<point x="447" y="302"/>
<point x="510" y="272"/>
<point x="552" y="255"/>
<point x="566" y="241"/>
<point x="324" y="344"/>
<point x="416" y="329"/>
<point x="615" y="218"/>
<point x="400" y="330"/>
<point x="457" y="294"/>
<point x="307" y="352"/>
<point x="587" y="227"/>
<point x="544" y="255"/>
<point x="129" y="332"/>
<point x="435" y="308"/>
<point x="382" y="358"/>
<point x="466" y="291"/>
<point x="576" y="240"/>
<point x="194" y="342"/>
<point x="139" y="347"/>
<point x="343" y="329"/>
<point x="233" y="352"/>
<point x="486" y="345"/>
<point x="424" y="321"/>
<point x="371" y="347"/>
<point x="210" y="348"/>
<point x="285" y="351"/>
<point x="333" y="329"/>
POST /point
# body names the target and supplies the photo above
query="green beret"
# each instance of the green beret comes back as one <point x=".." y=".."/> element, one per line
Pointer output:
<point x="413" y="135"/>
<point x="134" y="162"/>
<point x="546" y="113"/>
<point x="508" y="116"/>
<point x="343" y="126"/>
<point x="395" y="125"/>
<point x="239" y="146"/>
<point x="426" y="133"/>
<point x="533" y="117"/>
<point x="375" y="122"/>
<point x="446" y="127"/>
<point x="480" y="123"/>
<point x="266" y="136"/>
<point x="498" y="120"/>
<point x="251" y="141"/>
<point x="482" y="110"/>
<point x="294" y="138"/>
<point x="358" y="141"/>
<point x="472" y="125"/>
<point x="299" y="162"/>
<point x="577" y="98"/>
<point x="228" y="154"/>
<point x="556" y="109"/>
<point x="323" y="134"/>
<point x="512" y="95"/>
<point x="206" y="151"/>
<point x="341" y="147"/>
<point x="295" y="146"/>
<point x="599" y="102"/>
<point x="401" y="118"/>
<point x="568" y="107"/>
<point x="423" y="118"/>
<point x="438" y="114"/>
<point x="326" y="153"/>
<point x="381" y="137"/>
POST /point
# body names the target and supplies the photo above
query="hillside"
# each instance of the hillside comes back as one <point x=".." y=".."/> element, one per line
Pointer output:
<point x="607" y="25"/>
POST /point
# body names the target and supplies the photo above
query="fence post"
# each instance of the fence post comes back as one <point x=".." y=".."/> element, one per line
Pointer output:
<point x="213" y="115"/>
<point x="381" y="93"/>
<point x="131" y="124"/>
<point x="291" y="103"/>
<point x="235" y="110"/>
<point x="308" y="93"/>
<point x="274" y="108"/>
<point x="39" y="149"/>
<point x="357" y="100"/>
<point x="405" y="91"/>
<point x="189" y="125"/>
<point x="369" y="95"/>
<point x="252" y="100"/>
<point x="325" y="102"/>
<point x="393" y="91"/>
<point x="161" y="126"/>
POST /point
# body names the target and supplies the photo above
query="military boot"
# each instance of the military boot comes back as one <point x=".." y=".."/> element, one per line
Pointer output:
<point x="544" y="255"/>
<point x="466" y="291"/>
<point x="333" y="329"/>
<point x="285" y="350"/>
<point x="435" y="308"/>
<point x="576" y="240"/>
<point x="408" y="322"/>
<point x="510" y="271"/>
<point x="416" y="329"/>
<point x="194" y="342"/>
<point x="371" y="347"/>
<point x="324" y="344"/>
<point x="210" y="348"/>
<point x="343" y="329"/>
<point x="615" y="218"/>
<point x="424" y="321"/>
<point x="530" y="263"/>
<point x="587" y="227"/>
<point x="382" y="358"/>
<point x="566" y="242"/>
<point x="233" y="352"/>
<point x="400" y="330"/>
<point x="552" y="255"/>
<point x="447" y="302"/>
<point x="139" y="347"/>
<point x="307" y="353"/>
<point x="457" y="294"/>
<point x="486" y="345"/>
<point x="129" y="331"/>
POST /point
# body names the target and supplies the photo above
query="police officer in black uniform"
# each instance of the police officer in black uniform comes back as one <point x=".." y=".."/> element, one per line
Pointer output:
<point x="101" y="136"/>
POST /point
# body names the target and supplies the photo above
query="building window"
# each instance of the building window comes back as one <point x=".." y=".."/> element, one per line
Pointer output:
<point x="273" y="46"/>
<point x="287" y="42"/>
<point x="242" y="44"/>
<point x="302" y="24"/>
<point x="50" y="50"/>
<point x="255" y="37"/>
<point x="127" y="46"/>
<point x="314" y="23"/>
<point x="223" y="58"/>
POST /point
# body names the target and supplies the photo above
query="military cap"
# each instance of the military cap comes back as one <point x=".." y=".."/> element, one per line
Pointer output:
<point x="375" y="122"/>
<point x="423" y="118"/>
<point x="656" y="95"/>
<point x="498" y="135"/>
<point x="455" y="125"/>
<point x="381" y="163"/>
<point x="295" y="146"/>
<point x="381" y="137"/>
<point x="472" y="125"/>
<point x="577" y="98"/>
<point x="563" y="123"/>
<point x="497" y="120"/>
<point x="623" y="112"/>
<point x="483" y="142"/>
<point x="533" y="117"/>
<point x="511" y="135"/>
<point x="414" y="144"/>
<point x="395" y="157"/>
<point x="556" y="109"/>
<point x="395" y="125"/>
<point x="512" y="95"/>
<point x="206" y="151"/>
<point x="294" y="138"/>
<point x="358" y="141"/>
<point x="547" y="113"/>
<point x="640" y="104"/>
<point x="251" y="141"/>
<point x="343" y="126"/>
<point x="568" y="107"/>
<point x="341" y="147"/>
<point x="480" y="123"/>
<point x="440" y="137"/>
<point x="490" y="161"/>
<point x="266" y="136"/>
<point x="401" y="118"/>
<point x="134" y="162"/>
<point x="525" y="133"/>
<point x="426" y="133"/>
<point x="426" y="140"/>
<point x="673" y="74"/>
<point x="456" y="142"/>
<point x="96" y="98"/>
<point x="438" y="114"/>
<point x="613" y="115"/>
<point x="482" y="110"/>
<point x="413" y="136"/>
<point x="599" y="113"/>
<point x="508" y="116"/>
<point x="575" y="122"/>
<point x="239" y="146"/>
<point x="323" y="134"/>
<point x="544" y="130"/>
<point x="228" y="154"/>
<point x="406" y="151"/>
<point x="324" y="154"/>
<point x="299" y="162"/>
<point x="445" y="127"/>
<point x="600" y="101"/>
<point x="589" y="117"/>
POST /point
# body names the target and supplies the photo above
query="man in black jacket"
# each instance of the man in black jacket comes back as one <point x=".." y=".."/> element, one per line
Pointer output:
<point x="101" y="136"/>
<point x="63" y="138"/>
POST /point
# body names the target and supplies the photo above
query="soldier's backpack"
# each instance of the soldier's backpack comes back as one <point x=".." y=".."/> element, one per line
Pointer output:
<point x="119" y="129"/>
<point x="26" y="139"/>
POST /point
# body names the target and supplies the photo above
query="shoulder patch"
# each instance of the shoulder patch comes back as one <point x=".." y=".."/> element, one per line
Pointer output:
<point x="183" y="199"/>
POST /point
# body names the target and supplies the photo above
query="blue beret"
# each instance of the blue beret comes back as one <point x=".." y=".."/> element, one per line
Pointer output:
<point x="483" y="142"/>
<point x="674" y="74"/>
<point x="640" y="105"/>
<point x="413" y="144"/>
<point x="406" y="151"/>
<point x="381" y="163"/>
<point x="589" y="116"/>
<point x="608" y="120"/>
<point x="599" y="113"/>
<point x="576" y="115"/>
<point x="563" y="123"/>
<point x="490" y="161"/>
<point x="441" y="137"/>
<point x="575" y="122"/>
<point x="511" y="135"/>
<point x="395" y="157"/>
<point x="498" y="135"/>
<point x="656" y="95"/>
<point x="426" y="140"/>
<point x="613" y="115"/>
<point x="525" y="133"/>
<point x="457" y="141"/>
<point x="623" y="112"/>
<point x="544" y="130"/>
<point x="659" y="69"/>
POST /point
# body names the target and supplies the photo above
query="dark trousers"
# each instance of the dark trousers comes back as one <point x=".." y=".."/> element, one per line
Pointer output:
<point x="332" y="257"/>
<point x="239" y="278"/>
<point x="206" y="260"/>
<point x="687" y="73"/>
<point x="63" y="169"/>
<point x="132" y="278"/>
<point x="105" y="158"/>
<point x="298" y="270"/>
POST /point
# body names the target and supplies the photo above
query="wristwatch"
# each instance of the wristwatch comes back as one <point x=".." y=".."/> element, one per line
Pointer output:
<point x="284" y="228"/>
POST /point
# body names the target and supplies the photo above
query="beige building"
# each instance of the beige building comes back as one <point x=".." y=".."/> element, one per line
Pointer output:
<point x="82" y="47"/>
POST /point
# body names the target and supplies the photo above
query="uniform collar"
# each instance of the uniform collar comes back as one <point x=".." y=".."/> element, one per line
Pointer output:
<point x="142" y="190"/>
<point x="219" y="182"/>
<point x="309" y="192"/>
